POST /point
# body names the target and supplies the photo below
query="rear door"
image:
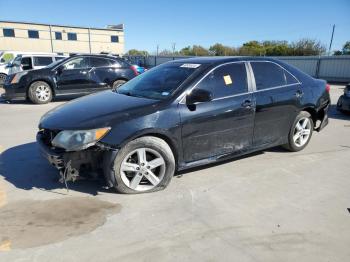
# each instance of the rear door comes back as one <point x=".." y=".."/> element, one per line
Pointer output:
<point x="74" y="75"/>
<point x="223" y="125"/>
<point x="102" y="73"/>
<point x="278" y="94"/>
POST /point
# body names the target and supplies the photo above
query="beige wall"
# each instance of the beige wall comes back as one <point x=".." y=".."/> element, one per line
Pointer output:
<point x="100" y="39"/>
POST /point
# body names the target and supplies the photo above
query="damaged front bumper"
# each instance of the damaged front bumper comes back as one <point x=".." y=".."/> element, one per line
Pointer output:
<point x="73" y="165"/>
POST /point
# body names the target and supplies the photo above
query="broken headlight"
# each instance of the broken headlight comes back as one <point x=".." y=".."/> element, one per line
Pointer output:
<point x="75" y="140"/>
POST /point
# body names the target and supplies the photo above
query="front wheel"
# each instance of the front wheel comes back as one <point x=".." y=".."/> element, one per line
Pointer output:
<point x="117" y="84"/>
<point x="300" y="133"/>
<point x="145" y="164"/>
<point x="40" y="92"/>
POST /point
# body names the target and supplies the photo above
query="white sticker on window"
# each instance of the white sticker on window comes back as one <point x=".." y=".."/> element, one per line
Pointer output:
<point x="165" y="93"/>
<point x="228" y="80"/>
<point x="191" y="65"/>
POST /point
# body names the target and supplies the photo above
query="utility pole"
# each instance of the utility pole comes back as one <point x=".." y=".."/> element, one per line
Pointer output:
<point x="89" y="40"/>
<point x="174" y="47"/>
<point x="51" y="38"/>
<point x="157" y="50"/>
<point x="330" y="44"/>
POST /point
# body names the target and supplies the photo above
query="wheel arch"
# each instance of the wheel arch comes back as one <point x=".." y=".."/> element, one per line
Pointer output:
<point x="313" y="112"/>
<point x="42" y="80"/>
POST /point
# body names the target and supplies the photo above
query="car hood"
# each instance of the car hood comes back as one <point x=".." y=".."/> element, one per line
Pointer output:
<point x="98" y="110"/>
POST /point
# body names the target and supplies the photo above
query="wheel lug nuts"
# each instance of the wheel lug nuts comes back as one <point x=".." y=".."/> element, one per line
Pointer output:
<point x="148" y="167"/>
<point x="137" y="168"/>
<point x="142" y="164"/>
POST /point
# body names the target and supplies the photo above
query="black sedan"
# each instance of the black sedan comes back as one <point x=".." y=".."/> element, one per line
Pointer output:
<point x="344" y="100"/>
<point x="77" y="75"/>
<point x="183" y="114"/>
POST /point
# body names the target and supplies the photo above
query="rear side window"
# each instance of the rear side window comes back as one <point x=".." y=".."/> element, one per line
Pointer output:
<point x="226" y="80"/>
<point x="42" y="60"/>
<point x="267" y="75"/>
<point x="99" y="62"/>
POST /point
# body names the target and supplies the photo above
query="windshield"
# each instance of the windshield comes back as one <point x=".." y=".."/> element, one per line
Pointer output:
<point x="159" y="82"/>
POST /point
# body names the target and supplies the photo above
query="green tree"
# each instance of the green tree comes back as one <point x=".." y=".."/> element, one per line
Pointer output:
<point x="221" y="50"/>
<point x="135" y="52"/>
<point x="252" y="48"/>
<point x="346" y="48"/>
<point x="305" y="47"/>
<point x="195" y="50"/>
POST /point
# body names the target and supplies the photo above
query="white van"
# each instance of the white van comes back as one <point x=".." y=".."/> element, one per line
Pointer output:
<point x="27" y="61"/>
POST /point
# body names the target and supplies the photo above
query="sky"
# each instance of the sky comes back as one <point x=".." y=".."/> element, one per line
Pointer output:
<point x="149" y="23"/>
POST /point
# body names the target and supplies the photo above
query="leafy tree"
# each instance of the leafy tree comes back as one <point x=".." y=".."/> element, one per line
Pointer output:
<point x="337" y="52"/>
<point x="221" y="50"/>
<point x="305" y="47"/>
<point x="195" y="50"/>
<point x="252" y="48"/>
<point x="346" y="48"/>
<point x="276" y="48"/>
<point x="135" y="52"/>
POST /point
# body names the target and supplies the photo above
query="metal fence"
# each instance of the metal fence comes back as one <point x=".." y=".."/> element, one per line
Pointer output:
<point x="330" y="68"/>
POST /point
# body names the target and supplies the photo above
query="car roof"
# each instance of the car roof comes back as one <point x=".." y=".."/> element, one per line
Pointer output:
<point x="220" y="60"/>
<point x="98" y="55"/>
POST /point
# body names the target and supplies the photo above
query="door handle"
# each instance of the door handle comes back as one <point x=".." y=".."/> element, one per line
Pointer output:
<point x="299" y="93"/>
<point x="247" y="103"/>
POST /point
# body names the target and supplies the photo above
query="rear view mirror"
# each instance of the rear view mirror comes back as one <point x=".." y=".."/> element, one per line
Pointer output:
<point x="198" y="96"/>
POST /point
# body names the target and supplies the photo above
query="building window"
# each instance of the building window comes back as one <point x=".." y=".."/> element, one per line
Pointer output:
<point x="114" y="39"/>
<point x="72" y="36"/>
<point x="58" y="35"/>
<point x="33" y="34"/>
<point x="8" y="32"/>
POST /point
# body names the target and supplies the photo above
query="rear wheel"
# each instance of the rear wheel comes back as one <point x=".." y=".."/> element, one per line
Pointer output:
<point x="300" y="133"/>
<point x="117" y="84"/>
<point x="145" y="164"/>
<point x="40" y="92"/>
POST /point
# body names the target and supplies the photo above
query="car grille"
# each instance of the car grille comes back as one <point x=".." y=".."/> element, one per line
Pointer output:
<point x="48" y="135"/>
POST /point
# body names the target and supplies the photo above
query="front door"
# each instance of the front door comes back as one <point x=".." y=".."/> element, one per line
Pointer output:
<point x="74" y="76"/>
<point x="223" y="125"/>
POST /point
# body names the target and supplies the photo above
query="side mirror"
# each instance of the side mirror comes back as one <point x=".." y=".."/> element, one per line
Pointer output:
<point x="198" y="96"/>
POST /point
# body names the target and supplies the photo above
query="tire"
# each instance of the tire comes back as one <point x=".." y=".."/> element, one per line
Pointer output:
<point x="40" y="92"/>
<point x="2" y="79"/>
<point x="117" y="84"/>
<point x="298" y="138"/>
<point x="132" y="173"/>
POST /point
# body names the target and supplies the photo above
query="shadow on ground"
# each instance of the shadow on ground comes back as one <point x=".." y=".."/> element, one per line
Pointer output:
<point x="26" y="102"/>
<point x="25" y="168"/>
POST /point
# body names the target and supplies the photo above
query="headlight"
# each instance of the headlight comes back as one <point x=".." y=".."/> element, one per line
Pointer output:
<point x="18" y="77"/>
<point x="79" y="139"/>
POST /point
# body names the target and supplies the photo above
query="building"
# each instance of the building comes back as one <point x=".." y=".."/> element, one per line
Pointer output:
<point x="34" y="37"/>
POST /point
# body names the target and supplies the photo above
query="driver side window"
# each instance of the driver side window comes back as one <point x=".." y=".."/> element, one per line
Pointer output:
<point x="77" y="63"/>
<point x="226" y="80"/>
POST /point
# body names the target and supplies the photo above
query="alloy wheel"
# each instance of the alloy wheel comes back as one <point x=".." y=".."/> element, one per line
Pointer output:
<point x="42" y="92"/>
<point x="302" y="132"/>
<point x="142" y="169"/>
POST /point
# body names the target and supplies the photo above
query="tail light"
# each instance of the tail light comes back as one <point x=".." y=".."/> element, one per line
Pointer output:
<point x="133" y="68"/>
<point x="328" y="87"/>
